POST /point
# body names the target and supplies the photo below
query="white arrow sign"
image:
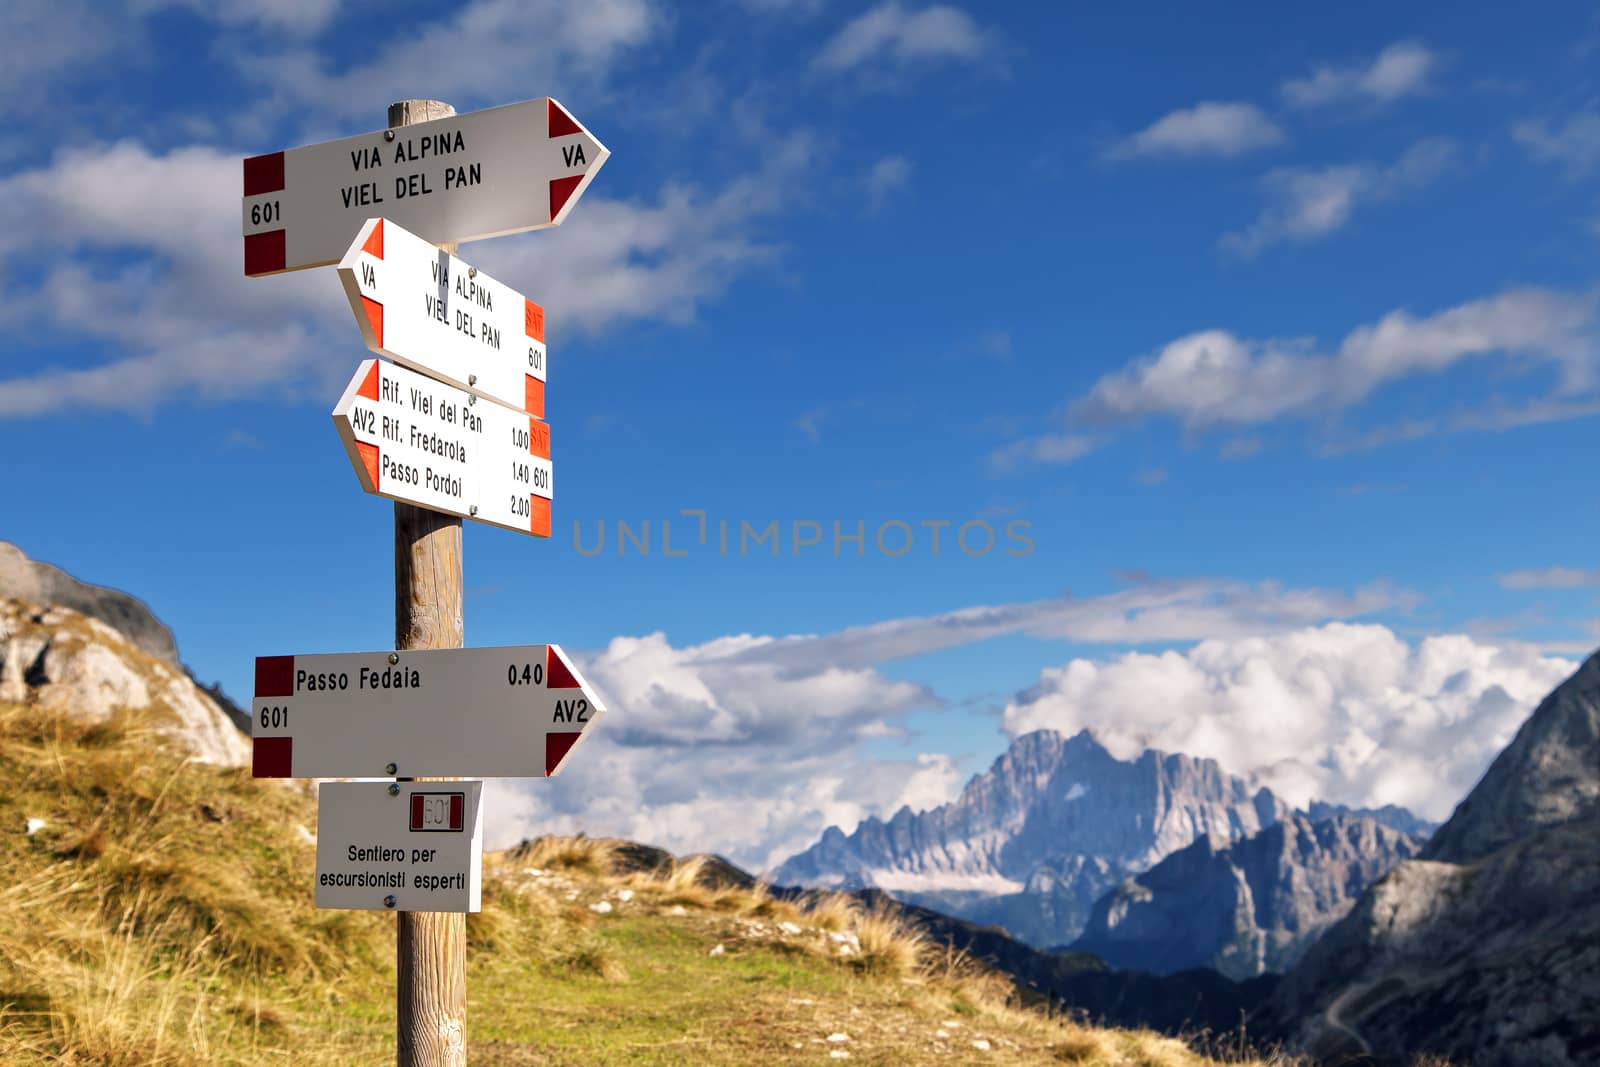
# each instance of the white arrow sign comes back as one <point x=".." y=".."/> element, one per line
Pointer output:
<point x="459" y="712"/>
<point x="461" y="178"/>
<point x="418" y="848"/>
<point x="420" y="305"/>
<point x="420" y="441"/>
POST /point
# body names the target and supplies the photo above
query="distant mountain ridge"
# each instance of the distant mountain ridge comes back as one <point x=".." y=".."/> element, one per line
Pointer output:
<point x="1249" y="908"/>
<point x="1031" y="843"/>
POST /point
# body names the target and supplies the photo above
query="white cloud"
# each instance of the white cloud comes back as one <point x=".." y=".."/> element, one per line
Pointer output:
<point x="886" y="177"/>
<point x="744" y="745"/>
<point x="1173" y="610"/>
<point x="1349" y="714"/>
<point x="892" y="35"/>
<point x="1212" y="128"/>
<point x="1399" y="70"/>
<point x="1215" y="378"/>
<point x="141" y="251"/>
<point x="1550" y="578"/>
<point x="480" y="52"/>
<point x="1054" y="448"/>
<point x="704" y="749"/>
<point x="1573" y="144"/>
<point x="1304" y="203"/>
<point x="1494" y="418"/>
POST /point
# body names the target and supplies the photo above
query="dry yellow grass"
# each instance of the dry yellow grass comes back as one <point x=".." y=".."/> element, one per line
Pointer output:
<point x="889" y="945"/>
<point x="833" y="911"/>
<point x="164" y="918"/>
<point x="588" y="854"/>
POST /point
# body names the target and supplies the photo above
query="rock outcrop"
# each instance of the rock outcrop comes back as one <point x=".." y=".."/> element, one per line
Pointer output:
<point x="1245" y="909"/>
<point x="1034" y="841"/>
<point x="1487" y="949"/>
<point x="57" y="658"/>
<point x="40" y="583"/>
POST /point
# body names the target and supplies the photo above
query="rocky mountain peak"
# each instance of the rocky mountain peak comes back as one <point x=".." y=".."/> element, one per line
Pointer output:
<point x="41" y="583"/>
<point x="1549" y="774"/>
<point x="57" y="658"/>
<point x="1055" y="817"/>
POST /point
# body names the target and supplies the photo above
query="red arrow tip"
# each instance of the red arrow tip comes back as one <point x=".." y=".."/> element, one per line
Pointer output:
<point x="556" y="672"/>
<point x="556" y="747"/>
<point x="561" y="190"/>
<point x="561" y="123"/>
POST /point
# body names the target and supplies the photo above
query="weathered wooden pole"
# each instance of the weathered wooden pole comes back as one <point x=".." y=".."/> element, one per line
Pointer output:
<point x="431" y="947"/>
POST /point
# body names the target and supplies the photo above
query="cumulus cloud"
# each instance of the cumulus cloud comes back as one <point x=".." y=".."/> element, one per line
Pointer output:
<point x="751" y="745"/>
<point x="1346" y="713"/>
<point x="710" y="747"/>
<point x="1399" y="70"/>
<point x="895" y="35"/>
<point x="1211" y="128"/>
<point x="142" y="250"/>
<point x="1305" y="203"/>
<point x="1213" y="377"/>
<point x="1550" y="578"/>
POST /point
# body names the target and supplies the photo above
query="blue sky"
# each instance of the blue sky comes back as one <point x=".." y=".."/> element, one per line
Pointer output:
<point x="1275" y="330"/>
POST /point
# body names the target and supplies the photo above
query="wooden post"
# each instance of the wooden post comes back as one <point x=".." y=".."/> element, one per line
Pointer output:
<point x="431" y="947"/>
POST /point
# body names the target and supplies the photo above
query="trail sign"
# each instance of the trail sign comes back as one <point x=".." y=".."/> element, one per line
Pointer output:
<point x="420" y="305"/>
<point x="462" y="178"/>
<point x="482" y="712"/>
<point x="420" y="441"/>
<point x="409" y="846"/>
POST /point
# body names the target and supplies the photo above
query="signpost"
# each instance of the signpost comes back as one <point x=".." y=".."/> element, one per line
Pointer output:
<point x="425" y="308"/>
<point x="420" y="441"/>
<point x="485" y="712"/>
<point x="406" y="846"/>
<point x="456" y="178"/>
<point x="457" y="436"/>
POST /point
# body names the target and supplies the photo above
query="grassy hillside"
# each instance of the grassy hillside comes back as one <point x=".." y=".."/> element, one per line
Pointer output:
<point x="158" y="911"/>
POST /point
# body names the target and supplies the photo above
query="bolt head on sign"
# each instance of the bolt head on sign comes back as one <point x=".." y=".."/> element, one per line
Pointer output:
<point x="423" y="307"/>
<point x="459" y="178"/>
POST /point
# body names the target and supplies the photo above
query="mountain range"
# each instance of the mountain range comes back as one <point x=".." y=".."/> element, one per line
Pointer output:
<point x="1059" y="840"/>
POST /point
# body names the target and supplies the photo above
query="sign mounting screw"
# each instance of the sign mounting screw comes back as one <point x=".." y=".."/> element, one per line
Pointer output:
<point x="388" y="901"/>
<point x="394" y="787"/>
<point x="394" y="657"/>
<point x="388" y="135"/>
<point x="391" y="769"/>
<point x="472" y="509"/>
<point x="472" y="272"/>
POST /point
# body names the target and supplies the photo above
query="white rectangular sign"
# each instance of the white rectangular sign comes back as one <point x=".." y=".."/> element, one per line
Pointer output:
<point x="462" y="178"/>
<point x="465" y="712"/>
<point x="423" y="307"/>
<point x="417" y="849"/>
<point x="420" y="441"/>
